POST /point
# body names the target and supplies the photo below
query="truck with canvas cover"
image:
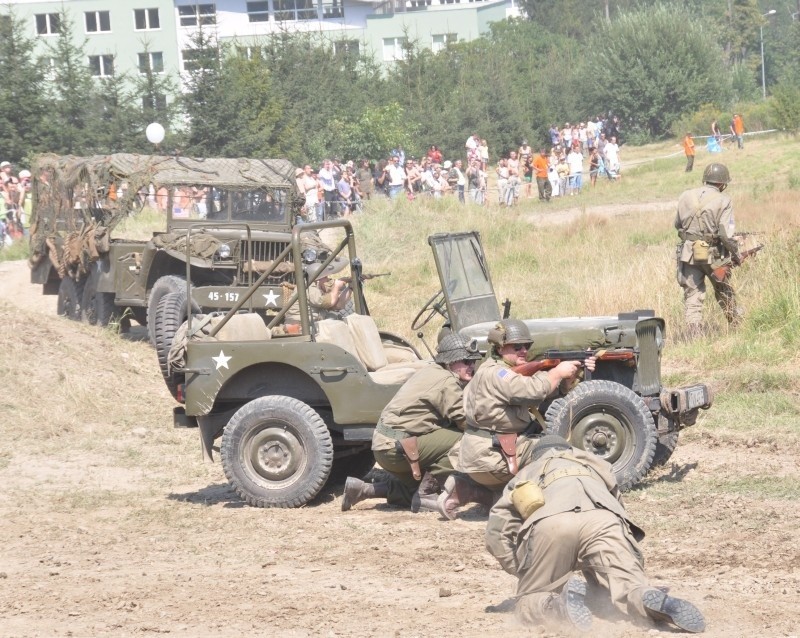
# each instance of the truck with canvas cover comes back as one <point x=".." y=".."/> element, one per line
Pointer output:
<point x="621" y="411"/>
<point x="223" y="221"/>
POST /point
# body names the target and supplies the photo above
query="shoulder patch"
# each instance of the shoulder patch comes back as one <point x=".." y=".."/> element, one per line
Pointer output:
<point x="503" y="373"/>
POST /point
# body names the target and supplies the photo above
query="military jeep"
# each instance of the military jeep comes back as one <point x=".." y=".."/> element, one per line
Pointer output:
<point x="623" y="413"/>
<point x="223" y="219"/>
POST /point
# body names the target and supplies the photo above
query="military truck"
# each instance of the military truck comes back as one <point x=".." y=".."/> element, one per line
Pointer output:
<point x="288" y="407"/>
<point x="211" y="205"/>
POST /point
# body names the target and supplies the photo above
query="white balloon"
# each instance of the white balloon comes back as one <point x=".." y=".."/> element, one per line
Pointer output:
<point x="154" y="133"/>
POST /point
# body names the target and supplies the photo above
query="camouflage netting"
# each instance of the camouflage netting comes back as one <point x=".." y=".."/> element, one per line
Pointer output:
<point x="81" y="199"/>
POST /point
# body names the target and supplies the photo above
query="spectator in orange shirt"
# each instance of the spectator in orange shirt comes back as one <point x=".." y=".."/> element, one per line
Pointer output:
<point x="688" y="148"/>
<point x="540" y="166"/>
<point x="737" y="129"/>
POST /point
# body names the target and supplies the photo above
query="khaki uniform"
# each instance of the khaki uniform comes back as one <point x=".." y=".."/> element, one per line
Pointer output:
<point x="430" y="407"/>
<point x="497" y="400"/>
<point x="583" y="526"/>
<point x="705" y="214"/>
<point x="320" y="304"/>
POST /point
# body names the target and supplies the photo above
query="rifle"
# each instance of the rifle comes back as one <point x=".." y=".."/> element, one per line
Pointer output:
<point x="723" y="272"/>
<point x="366" y="276"/>
<point x="551" y="358"/>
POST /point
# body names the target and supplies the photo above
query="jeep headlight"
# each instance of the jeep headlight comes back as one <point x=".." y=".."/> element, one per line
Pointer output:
<point x="309" y="256"/>
<point x="223" y="252"/>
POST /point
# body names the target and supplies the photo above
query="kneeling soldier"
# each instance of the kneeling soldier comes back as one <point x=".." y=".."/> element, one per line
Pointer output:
<point x="417" y="429"/>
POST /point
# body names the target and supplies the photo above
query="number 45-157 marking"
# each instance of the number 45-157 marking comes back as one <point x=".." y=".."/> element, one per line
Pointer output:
<point x="215" y="295"/>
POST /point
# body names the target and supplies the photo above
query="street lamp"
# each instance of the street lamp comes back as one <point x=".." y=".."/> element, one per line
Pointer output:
<point x="763" y="74"/>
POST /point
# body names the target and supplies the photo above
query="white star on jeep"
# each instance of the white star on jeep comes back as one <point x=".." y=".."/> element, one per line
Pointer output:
<point x="221" y="360"/>
<point x="271" y="297"/>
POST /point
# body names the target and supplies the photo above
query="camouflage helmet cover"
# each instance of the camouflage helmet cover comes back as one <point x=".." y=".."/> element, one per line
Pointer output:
<point x="509" y="331"/>
<point x="453" y="347"/>
<point x="716" y="174"/>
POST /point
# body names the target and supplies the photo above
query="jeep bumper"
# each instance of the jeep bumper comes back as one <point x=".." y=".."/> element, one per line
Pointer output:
<point x="681" y="405"/>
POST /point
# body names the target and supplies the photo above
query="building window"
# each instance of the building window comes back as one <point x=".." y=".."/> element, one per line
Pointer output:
<point x="258" y="11"/>
<point x="146" y="19"/>
<point x="98" y="21"/>
<point x="151" y="61"/>
<point x="250" y="53"/>
<point x="193" y="15"/>
<point x="156" y="102"/>
<point x="295" y="10"/>
<point x="349" y="48"/>
<point x="101" y="66"/>
<point x="190" y="60"/>
<point x="394" y="49"/>
<point x="332" y="9"/>
<point x="48" y="23"/>
<point x="441" y="40"/>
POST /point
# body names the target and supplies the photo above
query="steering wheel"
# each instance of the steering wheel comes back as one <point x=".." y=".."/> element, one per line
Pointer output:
<point x="434" y="306"/>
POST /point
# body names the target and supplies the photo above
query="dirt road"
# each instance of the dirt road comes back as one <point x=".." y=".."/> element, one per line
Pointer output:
<point x="113" y="526"/>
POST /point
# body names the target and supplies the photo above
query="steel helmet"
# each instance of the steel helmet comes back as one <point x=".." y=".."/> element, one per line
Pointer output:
<point x="716" y="174"/>
<point x="509" y="331"/>
<point x="454" y="347"/>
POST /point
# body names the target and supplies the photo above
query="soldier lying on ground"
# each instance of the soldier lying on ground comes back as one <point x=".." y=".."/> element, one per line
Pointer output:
<point x="497" y="405"/>
<point x="562" y="513"/>
<point x="417" y="429"/>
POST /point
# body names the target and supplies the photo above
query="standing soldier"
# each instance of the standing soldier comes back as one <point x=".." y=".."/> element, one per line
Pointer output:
<point x="417" y="429"/>
<point x="706" y="229"/>
<point x="563" y="512"/>
<point x="497" y="405"/>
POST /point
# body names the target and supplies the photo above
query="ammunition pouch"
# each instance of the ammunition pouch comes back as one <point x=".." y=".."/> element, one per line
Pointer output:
<point x="508" y="448"/>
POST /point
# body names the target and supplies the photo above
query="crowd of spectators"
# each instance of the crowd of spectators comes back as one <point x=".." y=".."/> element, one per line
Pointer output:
<point x="339" y="188"/>
<point x="15" y="192"/>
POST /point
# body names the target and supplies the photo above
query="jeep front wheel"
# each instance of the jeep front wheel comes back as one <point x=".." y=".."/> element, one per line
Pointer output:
<point x="611" y="421"/>
<point x="276" y="452"/>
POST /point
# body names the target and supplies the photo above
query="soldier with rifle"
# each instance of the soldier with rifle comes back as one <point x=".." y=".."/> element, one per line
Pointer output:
<point x="418" y="428"/>
<point x="706" y="229"/>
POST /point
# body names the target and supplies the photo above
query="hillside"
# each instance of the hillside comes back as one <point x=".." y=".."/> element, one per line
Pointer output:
<point x="113" y="525"/>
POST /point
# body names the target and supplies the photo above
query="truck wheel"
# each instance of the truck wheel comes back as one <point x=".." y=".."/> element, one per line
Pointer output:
<point x="665" y="447"/>
<point x="170" y="314"/>
<point x="70" y="294"/>
<point x="276" y="452"/>
<point x="98" y="307"/>
<point x="163" y="286"/>
<point x="611" y="421"/>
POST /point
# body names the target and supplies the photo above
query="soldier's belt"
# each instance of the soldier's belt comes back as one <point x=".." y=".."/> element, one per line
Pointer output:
<point x="564" y="472"/>
<point x="397" y="435"/>
<point x="693" y="237"/>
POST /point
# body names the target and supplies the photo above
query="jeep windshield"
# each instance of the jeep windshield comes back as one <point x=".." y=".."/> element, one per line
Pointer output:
<point x="465" y="280"/>
<point x="210" y="203"/>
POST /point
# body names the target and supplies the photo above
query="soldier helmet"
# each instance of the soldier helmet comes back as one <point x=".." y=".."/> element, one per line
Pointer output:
<point x="509" y="331"/>
<point x="716" y="174"/>
<point x="315" y="270"/>
<point x="453" y="347"/>
<point x="549" y="442"/>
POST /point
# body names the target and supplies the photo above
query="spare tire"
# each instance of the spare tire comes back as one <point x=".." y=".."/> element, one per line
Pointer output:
<point x="162" y="286"/>
<point x="169" y="315"/>
<point x="611" y="421"/>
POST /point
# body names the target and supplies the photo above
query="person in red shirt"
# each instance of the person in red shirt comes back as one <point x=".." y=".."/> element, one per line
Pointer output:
<point x="540" y="166"/>
<point x="688" y="148"/>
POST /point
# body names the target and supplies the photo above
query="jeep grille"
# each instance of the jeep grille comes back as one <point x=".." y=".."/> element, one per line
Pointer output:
<point x="267" y="251"/>
<point x="649" y="367"/>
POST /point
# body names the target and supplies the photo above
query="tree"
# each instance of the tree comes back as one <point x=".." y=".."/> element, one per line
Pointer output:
<point x="652" y="65"/>
<point x="22" y="103"/>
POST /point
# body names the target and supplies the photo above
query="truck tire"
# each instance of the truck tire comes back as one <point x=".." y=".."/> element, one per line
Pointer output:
<point x="98" y="307"/>
<point x="164" y="285"/>
<point x="665" y="447"/>
<point x="70" y="298"/>
<point x="276" y="452"/>
<point x="170" y="314"/>
<point x="611" y="421"/>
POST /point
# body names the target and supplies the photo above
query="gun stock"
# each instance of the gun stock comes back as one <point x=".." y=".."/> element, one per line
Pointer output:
<point x="553" y="357"/>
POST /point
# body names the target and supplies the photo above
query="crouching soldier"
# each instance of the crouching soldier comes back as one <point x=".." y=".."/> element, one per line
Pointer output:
<point x="498" y="405"/>
<point x="562" y="513"/>
<point x="417" y="429"/>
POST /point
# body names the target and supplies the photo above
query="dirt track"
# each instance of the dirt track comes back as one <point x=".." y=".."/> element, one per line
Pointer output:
<point x="112" y="525"/>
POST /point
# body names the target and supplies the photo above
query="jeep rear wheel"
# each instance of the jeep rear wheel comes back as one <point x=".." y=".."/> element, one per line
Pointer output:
<point x="276" y="452"/>
<point x="70" y="295"/>
<point x="163" y="286"/>
<point x="611" y="421"/>
<point x="98" y="307"/>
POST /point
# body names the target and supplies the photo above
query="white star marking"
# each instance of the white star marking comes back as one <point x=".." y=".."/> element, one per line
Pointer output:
<point x="221" y="360"/>
<point x="271" y="298"/>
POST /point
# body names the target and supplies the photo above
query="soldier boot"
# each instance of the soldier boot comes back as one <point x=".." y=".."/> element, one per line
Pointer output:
<point x="570" y="605"/>
<point x="426" y="495"/>
<point x="460" y="491"/>
<point x="356" y="491"/>
<point x="681" y="613"/>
